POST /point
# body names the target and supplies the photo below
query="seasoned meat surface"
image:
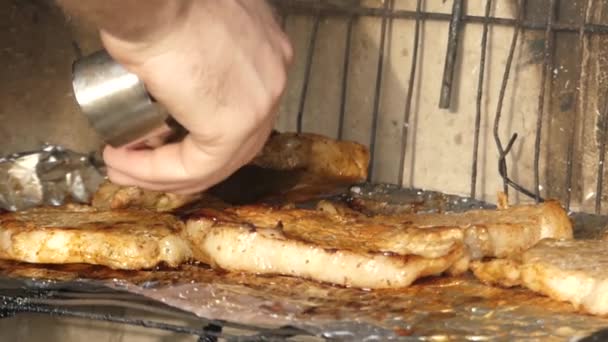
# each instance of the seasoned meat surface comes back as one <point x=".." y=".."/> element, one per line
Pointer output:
<point x="505" y="272"/>
<point x="118" y="239"/>
<point x="291" y="166"/>
<point x="574" y="271"/>
<point x="319" y="155"/>
<point x="499" y="233"/>
<point x="242" y="247"/>
<point x="350" y="232"/>
<point x="111" y="196"/>
<point x="332" y="243"/>
<point x="486" y="233"/>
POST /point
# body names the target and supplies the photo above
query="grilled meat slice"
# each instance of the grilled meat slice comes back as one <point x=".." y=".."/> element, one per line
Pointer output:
<point x="505" y="272"/>
<point x="243" y="247"/>
<point x="321" y="156"/>
<point x="296" y="167"/>
<point x="347" y="231"/>
<point x="499" y="233"/>
<point x="486" y="233"/>
<point x="111" y="196"/>
<point x="78" y="234"/>
<point x="574" y="271"/>
<point x="291" y="166"/>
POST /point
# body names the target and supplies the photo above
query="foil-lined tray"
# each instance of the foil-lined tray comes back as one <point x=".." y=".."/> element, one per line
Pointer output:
<point x="433" y="309"/>
<point x="49" y="176"/>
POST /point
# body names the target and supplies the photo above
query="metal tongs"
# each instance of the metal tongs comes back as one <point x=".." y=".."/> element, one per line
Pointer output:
<point x="118" y="106"/>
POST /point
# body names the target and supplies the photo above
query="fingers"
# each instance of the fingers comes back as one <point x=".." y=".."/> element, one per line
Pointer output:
<point x="178" y="168"/>
<point x="186" y="188"/>
<point x="219" y="81"/>
<point x="121" y="178"/>
<point x="163" y="164"/>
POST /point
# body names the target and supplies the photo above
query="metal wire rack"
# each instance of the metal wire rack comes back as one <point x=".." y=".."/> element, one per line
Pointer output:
<point x="42" y="302"/>
<point x="457" y="19"/>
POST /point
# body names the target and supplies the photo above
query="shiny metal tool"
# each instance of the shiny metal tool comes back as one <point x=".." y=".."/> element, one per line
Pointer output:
<point x="117" y="104"/>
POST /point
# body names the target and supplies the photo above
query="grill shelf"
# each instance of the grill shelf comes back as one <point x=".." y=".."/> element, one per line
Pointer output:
<point x="28" y="296"/>
<point x="457" y="20"/>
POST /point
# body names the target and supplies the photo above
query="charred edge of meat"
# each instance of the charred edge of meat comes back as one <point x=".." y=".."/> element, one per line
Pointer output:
<point x="279" y="227"/>
<point x="223" y="215"/>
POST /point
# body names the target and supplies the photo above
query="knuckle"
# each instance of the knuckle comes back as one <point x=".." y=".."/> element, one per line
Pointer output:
<point x="277" y="86"/>
<point x="288" y="50"/>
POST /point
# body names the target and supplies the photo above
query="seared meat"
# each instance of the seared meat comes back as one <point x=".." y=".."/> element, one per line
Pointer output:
<point x="499" y="233"/>
<point x="244" y="247"/>
<point x="77" y="234"/>
<point x="486" y="233"/>
<point x="575" y="271"/>
<point x="341" y="246"/>
<point x="319" y="155"/>
<point x="291" y="166"/>
<point x="112" y="196"/>
<point x="505" y="272"/>
<point x="353" y="232"/>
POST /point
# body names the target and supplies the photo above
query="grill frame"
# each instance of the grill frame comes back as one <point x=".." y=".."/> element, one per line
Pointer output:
<point x="318" y="9"/>
<point x="24" y="301"/>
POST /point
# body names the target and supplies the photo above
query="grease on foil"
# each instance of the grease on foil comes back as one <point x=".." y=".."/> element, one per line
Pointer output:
<point x="50" y="176"/>
<point x="434" y="309"/>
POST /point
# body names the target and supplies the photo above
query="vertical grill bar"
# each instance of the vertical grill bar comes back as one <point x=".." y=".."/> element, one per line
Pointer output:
<point x="602" y="157"/>
<point x="410" y="91"/>
<point x="378" y="90"/>
<point x="503" y="152"/>
<point x="451" y="53"/>
<point x="502" y="164"/>
<point x="547" y="68"/>
<point x="307" y="69"/>
<point x="482" y="66"/>
<point x="578" y="101"/>
<point x="345" y="70"/>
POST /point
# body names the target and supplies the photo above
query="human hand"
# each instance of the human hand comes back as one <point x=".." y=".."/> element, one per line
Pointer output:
<point x="220" y="69"/>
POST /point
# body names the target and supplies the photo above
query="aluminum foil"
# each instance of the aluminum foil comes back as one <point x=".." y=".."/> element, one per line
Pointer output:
<point x="50" y="176"/>
<point x="433" y="309"/>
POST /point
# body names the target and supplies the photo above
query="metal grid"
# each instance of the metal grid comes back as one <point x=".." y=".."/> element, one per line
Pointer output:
<point x="210" y="331"/>
<point x="457" y="20"/>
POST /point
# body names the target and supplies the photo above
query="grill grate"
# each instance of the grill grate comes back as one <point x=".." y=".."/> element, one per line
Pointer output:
<point x="29" y="301"/>
<point x="457" y="20"/>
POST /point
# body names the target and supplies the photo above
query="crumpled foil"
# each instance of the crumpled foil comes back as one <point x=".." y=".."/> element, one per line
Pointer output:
<point x="52" y="176"/>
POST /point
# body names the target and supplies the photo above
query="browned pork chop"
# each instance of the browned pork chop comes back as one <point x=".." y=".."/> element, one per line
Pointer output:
<point x="337" y="245"/>
<point x="245" y="247"/>
<point x="486" y="233"/>
<point x="78" y="234"/>
<point x="321" y="156"/>
<point x="111" y="196"/>
<point x="499" y="233"/>
<point x="291" y="166"/>
<point x="574" y="271"/>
